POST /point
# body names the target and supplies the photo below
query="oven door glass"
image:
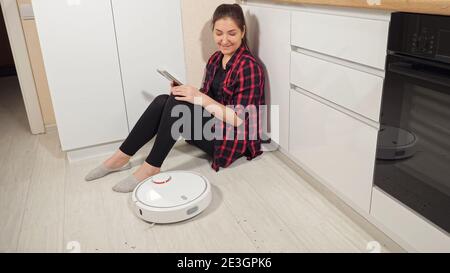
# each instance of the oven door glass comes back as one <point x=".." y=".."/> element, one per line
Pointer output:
<point x="413" y="151"/>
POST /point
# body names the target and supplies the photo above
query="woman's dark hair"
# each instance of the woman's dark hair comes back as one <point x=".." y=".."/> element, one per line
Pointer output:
<point x="235" y="12"/>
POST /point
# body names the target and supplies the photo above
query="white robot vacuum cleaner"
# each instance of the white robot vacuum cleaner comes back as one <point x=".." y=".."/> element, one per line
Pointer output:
<point x="170" y="197"/>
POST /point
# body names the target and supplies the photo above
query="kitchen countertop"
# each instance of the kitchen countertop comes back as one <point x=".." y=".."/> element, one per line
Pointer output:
<point x="418" y="6"/>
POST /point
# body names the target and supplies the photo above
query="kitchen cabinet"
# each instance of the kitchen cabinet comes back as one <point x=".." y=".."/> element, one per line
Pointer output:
<point x="81" y="61"/>
<point x="337" y="64"/>
<point x="101" y="59"/>
<point x="269" y="41"/>
<point x="312" y="52"/>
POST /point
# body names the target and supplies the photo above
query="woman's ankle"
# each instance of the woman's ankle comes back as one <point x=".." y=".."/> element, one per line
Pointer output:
<point x="145" y="171"/>
<point x="117" y="160"/>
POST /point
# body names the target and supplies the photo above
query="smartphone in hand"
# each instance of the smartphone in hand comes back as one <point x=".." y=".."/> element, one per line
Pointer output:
<point x="168" y="76"/>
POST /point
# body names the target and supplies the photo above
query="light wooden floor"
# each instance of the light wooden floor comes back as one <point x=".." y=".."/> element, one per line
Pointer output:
<point x="258" y="206"/>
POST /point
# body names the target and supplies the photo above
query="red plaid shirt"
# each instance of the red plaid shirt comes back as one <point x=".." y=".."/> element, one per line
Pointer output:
<point x="243" y="86"/>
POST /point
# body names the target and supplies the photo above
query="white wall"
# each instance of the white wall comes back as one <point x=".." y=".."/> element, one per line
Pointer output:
<point x="198" y="39"/>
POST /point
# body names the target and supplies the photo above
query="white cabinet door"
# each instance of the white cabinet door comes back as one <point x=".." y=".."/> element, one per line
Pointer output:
<point x="80" y="57"/>
<point x="149" y="36"/>
<point x="269" y="40"/>
<point x="337" y="148"/>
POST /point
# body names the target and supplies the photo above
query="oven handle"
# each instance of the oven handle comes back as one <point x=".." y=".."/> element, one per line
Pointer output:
<point x="417" y="74"/>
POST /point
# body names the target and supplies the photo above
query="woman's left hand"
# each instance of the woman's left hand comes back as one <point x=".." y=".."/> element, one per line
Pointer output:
<point x="187" y="93"/>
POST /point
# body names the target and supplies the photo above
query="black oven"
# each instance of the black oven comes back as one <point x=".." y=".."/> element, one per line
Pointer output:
<point x="413" y="150"/>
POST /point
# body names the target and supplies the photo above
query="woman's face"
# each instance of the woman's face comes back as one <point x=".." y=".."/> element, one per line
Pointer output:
<point x="227" y="35"/>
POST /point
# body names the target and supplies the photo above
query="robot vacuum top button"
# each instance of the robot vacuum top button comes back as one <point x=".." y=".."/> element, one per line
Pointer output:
<point x="161" y="178"/>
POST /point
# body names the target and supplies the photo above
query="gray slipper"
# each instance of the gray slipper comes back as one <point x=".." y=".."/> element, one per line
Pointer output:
<point x="126" y="185"/>
<point x="102" y="170"/>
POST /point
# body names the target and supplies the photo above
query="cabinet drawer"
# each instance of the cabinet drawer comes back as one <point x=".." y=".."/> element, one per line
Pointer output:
<point x="352" y="89"/>
<point x="355" y="39"/>
<point x="337" y="148"/>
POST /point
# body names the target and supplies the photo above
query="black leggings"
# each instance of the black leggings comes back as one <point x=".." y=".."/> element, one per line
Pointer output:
<point x="157" y="120"/>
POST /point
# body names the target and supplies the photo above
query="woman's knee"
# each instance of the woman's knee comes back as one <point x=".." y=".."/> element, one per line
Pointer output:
<point x="161" y="99"/>
<point x="171" y="101"/>
<point x="158" y="103"/>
